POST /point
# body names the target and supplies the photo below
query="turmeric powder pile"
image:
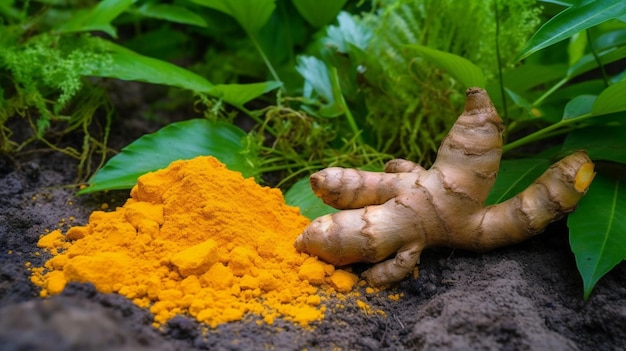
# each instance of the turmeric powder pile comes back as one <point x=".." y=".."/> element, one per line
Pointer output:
<point x="196" y="239"/>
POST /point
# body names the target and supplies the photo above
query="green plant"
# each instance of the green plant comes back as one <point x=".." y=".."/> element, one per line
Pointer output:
<point x="324" y="83"/>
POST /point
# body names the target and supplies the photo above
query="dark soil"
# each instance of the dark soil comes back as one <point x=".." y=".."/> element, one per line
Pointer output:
<point x="524" y="297"/>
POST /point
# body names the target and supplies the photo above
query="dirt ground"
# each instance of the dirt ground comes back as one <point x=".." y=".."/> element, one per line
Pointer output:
<point x="525" y="297"/>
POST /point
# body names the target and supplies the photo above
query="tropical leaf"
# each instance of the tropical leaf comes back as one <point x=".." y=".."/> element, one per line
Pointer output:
<point x="250" y="14"/>
<point x="458" y="67"/>
<point x="172" y="13"/>
<point x="603" y="142"/>
<point x="598" y="230"/>
<point x="589" y="61"/>
<point x="181" y="140"/>
<point x="128" y="65"/>
<point x="578" y="106"/>
<point x="301" y="195"/>
<point x="611" y="100"/>
<point x="97" y="19"/>
<point x="515" y="176"/>
<point x="572" y="20"/>
<point x="319" y="12"/>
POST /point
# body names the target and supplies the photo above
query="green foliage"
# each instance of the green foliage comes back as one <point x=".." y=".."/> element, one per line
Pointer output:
<point x="574" y="19"/>
<point x="329" y="83"/>
<point x="598" y="230"/>
<point x="311" y="206"/>
<point x="590" y="112"/>
<point x="157" y="150"/>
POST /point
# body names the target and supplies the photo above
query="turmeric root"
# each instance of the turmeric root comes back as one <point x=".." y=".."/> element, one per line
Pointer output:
<point x="408" y="208"/>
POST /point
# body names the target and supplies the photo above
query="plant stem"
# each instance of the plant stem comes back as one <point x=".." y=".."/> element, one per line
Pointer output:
<point x="550" y="91"/>
<point x="264" y="57"/>
<point x="545" y="132"/>
<point x="338" y="94"/>
<point x="597" y="58"/>
<point x="499" y="60"/>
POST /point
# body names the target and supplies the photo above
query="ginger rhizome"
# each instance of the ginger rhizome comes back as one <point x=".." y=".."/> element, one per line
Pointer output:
<point x="408" y="208"/>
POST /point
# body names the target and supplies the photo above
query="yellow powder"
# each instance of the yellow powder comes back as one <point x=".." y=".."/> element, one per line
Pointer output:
<point x="343" y="281"/>
<point x="196" y="239"/>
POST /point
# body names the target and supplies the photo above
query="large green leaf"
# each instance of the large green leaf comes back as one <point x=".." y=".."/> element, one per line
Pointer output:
<point x="239" y="94"/>
<point x="578" y="106"/>
<point x="514" y="176"/>
<point x="129" y="65"/>
<point x="571" y="21"/>
<point x="98" y="18"/>
<point x="589" y="61"/>
<point x="172" y="13"/>
<point x="598" y="230"/>
<point x="530" y="75"/>
<point x="611" y="100"/>
<point x="301" y="195"/>
<point x="602" y="142"/>
<point x="250" y="14"/>
<point x="458" y="67"/>
<point x="319" y="12"/>
<point x="181" y="140"/>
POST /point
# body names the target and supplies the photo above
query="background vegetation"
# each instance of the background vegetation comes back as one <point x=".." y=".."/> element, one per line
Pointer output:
<point x="287" y="87"/>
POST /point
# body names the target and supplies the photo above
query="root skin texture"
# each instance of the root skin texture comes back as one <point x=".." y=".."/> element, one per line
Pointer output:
<point x="408" y="208"/>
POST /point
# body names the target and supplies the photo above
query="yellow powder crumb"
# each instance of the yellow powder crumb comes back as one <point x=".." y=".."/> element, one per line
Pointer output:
<point x="55" y="282"/>
<point x="104" y="206"/>
<point x="313" y="271"/>
<point x="416" y="273"/>
<point x="52" y="241"/>
<point x="197" y="239"/>
<point x="343" y="281"/>
<point x="196" y="259"/>
<point x="395" y="297"/>
<point x="75" y="233"/>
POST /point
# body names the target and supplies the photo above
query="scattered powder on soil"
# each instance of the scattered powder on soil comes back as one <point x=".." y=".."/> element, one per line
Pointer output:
<point x="197" y="239"/>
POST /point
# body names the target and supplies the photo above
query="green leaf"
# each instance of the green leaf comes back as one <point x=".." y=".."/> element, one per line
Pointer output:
<point x="177" y="141"/>
<point x="458" y="67"/>
<point x="514" y="176"/>
<point x="611" y="100"/>
<point x="598" y="230"/>
<point x="322" y="81"/>
<point x="571" y="21"/>
<point x="172" y="13"/>
<point x="250" y="14"/>
<point x="577" y="46"/>
<point x="129" y="65"/>
<point x="239" y="94"/>
<point x="527" y="76"/>
<point x="610" y="39"/>
<point x="578" y="106"/>
<point x="300" y="195"/>
<point x="604" y="142"/>
<point x="348" y="33"/>
<point x="589" y="62"/>
<point x="319" y="12"/>
<point x="98" y="18"/>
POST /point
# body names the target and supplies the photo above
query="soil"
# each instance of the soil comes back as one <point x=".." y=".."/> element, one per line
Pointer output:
<point x="523" y="297"/>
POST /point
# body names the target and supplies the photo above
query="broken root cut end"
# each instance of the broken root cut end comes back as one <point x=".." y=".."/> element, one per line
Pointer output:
<point x="584" y="177"/>
<point x="477" y="101"/>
